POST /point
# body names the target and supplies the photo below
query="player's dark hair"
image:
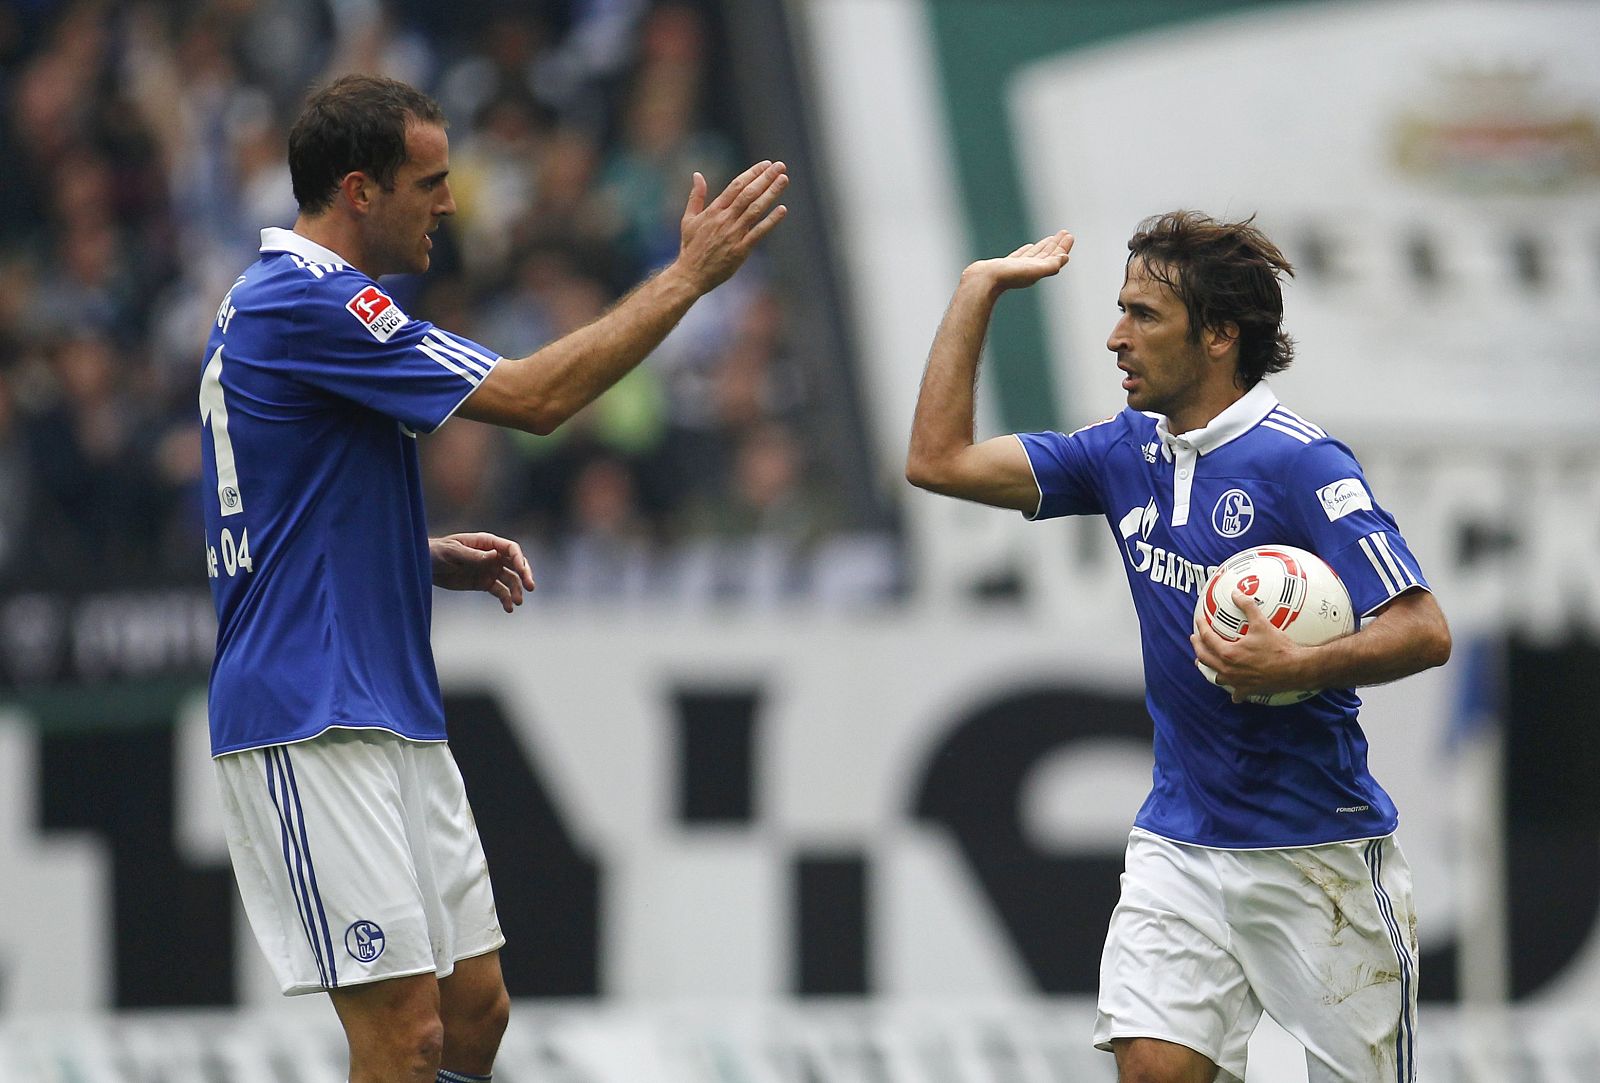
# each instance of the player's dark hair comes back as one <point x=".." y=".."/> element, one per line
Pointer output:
<point x="1223" y="272"/>
<point x="357" y="123"/>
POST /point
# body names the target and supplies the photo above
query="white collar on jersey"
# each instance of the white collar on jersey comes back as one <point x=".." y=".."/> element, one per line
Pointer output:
<point x="277" y="239"/>
<point x="1182" y="450"/>
<point x="1239" y="418"/>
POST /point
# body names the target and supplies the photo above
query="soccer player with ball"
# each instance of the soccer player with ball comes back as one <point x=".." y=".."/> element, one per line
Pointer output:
<point x="1262" y="871"/>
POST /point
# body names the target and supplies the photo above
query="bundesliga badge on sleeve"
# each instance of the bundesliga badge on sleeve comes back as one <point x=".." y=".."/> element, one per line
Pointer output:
<point x="1297" y="590"/>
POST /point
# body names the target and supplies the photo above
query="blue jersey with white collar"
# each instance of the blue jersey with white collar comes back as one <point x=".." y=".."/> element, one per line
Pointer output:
<point x="1229" y="775"/>
<point x="314" y="388"/>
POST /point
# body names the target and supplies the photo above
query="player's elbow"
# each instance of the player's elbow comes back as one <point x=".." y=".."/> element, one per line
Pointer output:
<point x="527" y="419"/>
<point x="927" y="473"/>
<point x="1438" y="644"/>
<point x="543" y="414"/>
<point x="1434" y="640"/>
<point x="1430" y="641"/>
<point x="523" y="393"/>
<point x="544" y="421"/>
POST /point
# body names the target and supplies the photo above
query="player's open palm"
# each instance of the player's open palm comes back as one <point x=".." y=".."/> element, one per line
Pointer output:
<point x="1030" y="263"/>
<point x="716" y="238"/>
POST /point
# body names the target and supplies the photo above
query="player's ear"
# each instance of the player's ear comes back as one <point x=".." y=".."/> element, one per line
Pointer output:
<point x="357" y="188"/>
<point x="1220" y="340"/>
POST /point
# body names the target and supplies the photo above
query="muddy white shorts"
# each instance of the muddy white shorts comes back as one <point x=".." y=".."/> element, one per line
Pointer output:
<point x="357" y="858"/>
<point x="1322" y="938"/>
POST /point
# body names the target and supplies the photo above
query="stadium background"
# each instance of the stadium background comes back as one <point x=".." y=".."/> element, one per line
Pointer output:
<point x="788" y="772"/>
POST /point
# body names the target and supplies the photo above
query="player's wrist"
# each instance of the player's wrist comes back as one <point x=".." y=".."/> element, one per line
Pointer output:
<point x="982" y="279"/>
<point x="679" y="282"/>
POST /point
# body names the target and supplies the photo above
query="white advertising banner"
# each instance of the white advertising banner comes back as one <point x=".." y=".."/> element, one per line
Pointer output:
<point x="1433" y="170"/>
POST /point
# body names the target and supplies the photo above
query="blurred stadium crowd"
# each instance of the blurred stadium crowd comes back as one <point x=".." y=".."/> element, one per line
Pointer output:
<point x="142" y="147"/>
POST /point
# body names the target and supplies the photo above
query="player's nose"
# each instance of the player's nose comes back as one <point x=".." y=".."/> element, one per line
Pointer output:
<point x="1117" y="341"/>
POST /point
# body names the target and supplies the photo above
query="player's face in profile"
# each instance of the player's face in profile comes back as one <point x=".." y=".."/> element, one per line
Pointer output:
<point x="400" y="220"/>
<point x="1162" y="367"/>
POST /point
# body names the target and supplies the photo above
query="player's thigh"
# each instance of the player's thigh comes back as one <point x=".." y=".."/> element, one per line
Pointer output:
<point x="1327" y="937"/>
<point x="1151" y="1060"/>
<point x="1167" y="972"/>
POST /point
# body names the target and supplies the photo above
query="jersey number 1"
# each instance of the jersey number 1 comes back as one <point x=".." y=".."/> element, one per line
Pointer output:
<point x="214" y="409"/>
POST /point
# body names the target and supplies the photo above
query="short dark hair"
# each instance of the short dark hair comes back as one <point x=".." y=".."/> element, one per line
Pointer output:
<point x="357" y="123"/>
<point x="1224" y="272"/>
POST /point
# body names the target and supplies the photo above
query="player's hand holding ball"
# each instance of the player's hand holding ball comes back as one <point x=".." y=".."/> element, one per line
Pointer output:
<point x="1283" y="598"/>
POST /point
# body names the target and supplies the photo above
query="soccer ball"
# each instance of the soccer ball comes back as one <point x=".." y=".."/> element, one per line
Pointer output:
<point x="1297" y="590"/>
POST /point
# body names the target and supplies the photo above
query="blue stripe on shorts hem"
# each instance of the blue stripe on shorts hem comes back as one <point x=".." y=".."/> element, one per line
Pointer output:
<point x="297" y="861"/>
<point x="1405" y="1035"/>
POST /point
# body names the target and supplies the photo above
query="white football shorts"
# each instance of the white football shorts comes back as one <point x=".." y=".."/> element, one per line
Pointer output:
<point x="357" y="858"/>
<point x="1323" y="938"/>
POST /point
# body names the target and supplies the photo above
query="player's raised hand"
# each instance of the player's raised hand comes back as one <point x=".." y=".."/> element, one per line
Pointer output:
<point x="717" y="238"/>
<point x="1028" y="264"/>
<point x="481" y="562"/>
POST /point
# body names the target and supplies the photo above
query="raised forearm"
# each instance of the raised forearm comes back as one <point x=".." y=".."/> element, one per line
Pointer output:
<point x="944" y="422"/>
<point x="539" y="392"/>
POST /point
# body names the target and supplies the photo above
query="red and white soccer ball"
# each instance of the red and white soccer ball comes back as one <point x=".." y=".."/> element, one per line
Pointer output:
<point x="1296" y="589"/>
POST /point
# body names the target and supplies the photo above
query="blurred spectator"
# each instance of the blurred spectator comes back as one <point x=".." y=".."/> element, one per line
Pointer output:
<point x="15" y="487"/>
<point x="772" y="496"/>
<point x="568" y="210"/>
<point x="607" y="553"/>
<point x="89" y="282"/>
<point x="493" y="174"/>
<point x="95" y="500"/>
<point x="663" y="139"/>
<point x="464" y="477"/>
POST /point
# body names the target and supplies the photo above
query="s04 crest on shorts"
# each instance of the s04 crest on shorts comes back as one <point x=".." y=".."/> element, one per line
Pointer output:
<point x="364" y="941"/>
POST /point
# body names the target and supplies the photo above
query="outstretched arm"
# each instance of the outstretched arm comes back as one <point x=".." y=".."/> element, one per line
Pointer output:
<point x="481" y="562"/>
<point x="943" y="457"/>
<point x="1406" y="636"/>
<point x="539" y="392"/>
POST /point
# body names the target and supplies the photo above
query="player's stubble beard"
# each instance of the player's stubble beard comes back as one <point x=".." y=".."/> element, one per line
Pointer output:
<point x="1180" y="378"/>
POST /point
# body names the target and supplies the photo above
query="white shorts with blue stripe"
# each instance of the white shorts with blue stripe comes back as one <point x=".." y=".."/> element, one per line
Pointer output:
<point x="1323" y="938"/>
<point x="357" y="858"/>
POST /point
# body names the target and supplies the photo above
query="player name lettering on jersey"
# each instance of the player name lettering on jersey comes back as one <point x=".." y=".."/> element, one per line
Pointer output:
<point x="377" y="313"/>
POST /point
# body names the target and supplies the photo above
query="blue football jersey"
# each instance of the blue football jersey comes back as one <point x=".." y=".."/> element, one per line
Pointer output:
<point x="1233" y="775"/>
<point x="314" y="388"/>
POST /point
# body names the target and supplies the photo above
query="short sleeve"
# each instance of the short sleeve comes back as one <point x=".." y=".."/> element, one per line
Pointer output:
<point x="353" y="341"/>
<point x="1063" y="467"/>
<point x="1349" y="529"/>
